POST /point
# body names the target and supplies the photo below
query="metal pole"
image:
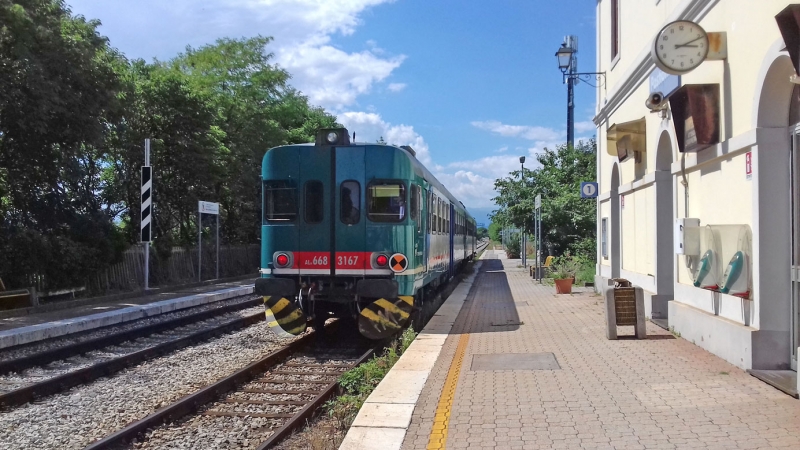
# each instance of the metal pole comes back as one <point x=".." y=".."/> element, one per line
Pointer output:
<point x="541" y="246"/>
<point x="217" y="245"/>
<point x="147" y="244"/>
<point x="523" y="251"/>
<point x="199" y="246"/>
<point x="571" y="106"/>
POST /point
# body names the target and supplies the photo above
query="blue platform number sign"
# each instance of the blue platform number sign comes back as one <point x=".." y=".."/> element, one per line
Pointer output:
<point x="588" y="189"/>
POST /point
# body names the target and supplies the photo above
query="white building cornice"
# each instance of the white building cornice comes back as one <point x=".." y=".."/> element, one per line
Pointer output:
<point x="637" y="74"/>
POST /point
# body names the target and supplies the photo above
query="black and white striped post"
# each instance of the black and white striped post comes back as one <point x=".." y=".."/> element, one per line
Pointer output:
<point x="147" y="210"/>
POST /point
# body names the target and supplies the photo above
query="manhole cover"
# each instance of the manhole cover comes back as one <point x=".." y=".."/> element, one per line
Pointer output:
<point x="515" y="361"/>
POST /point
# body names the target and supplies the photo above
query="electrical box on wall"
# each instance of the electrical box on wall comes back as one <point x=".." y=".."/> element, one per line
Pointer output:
<point x="687" y="236"/>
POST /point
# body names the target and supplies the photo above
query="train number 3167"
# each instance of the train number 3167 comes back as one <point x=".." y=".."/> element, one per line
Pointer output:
<point x="346" y="260"/>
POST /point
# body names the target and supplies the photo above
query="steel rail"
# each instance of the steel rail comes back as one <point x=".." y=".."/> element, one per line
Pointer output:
<point x="189" y="404"/>
<point x="71" y="379"/>
<point x="79" y="348"/>
<point x="299" y="419"/>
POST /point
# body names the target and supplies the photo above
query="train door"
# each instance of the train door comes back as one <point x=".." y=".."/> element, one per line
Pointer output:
<point x="314" y="190"/>
<point x="349" y="215"/>
<point x="280" y="196"/>
<point x="426" y="227"/>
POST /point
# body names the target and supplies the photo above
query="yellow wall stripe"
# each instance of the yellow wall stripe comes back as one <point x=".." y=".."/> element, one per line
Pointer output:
<point x="441" y="420"/>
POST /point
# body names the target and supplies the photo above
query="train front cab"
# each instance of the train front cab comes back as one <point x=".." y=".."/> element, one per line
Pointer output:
<point x="342" y="234"/>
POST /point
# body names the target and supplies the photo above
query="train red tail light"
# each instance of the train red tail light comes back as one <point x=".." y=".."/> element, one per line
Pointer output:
<point x="282" y="260"/>
<point x="382" y="260"/>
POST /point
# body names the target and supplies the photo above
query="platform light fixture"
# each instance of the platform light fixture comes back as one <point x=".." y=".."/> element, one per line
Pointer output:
<point x="568" y="64"/>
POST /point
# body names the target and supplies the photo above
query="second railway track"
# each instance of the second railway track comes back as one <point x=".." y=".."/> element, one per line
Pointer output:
<point x="26" y="378"/>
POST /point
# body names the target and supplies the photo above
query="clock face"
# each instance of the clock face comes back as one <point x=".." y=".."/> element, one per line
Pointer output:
<point x="680" y="47"/>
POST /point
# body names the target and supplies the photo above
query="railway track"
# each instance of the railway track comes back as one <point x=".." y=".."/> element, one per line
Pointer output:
<point x="269" y="398"/>
<point x="47" y="372"/>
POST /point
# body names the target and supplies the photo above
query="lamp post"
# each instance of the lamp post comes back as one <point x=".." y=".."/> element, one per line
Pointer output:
<point x="568" y="63"/>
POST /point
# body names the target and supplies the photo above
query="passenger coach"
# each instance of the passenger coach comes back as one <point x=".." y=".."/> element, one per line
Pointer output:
<point x="355" y="230"/>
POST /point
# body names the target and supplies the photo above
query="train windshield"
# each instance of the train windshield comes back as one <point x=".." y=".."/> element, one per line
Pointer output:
<point x="280" y="201"/>
<point x="386" y="202"/>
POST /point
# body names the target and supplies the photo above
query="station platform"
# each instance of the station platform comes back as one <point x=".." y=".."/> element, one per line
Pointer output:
<point x="507" y="363"/>
<point x="31" y="325"/>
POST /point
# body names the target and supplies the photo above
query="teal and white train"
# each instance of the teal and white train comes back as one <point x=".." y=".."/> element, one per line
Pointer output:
<point x="354" y="229"/>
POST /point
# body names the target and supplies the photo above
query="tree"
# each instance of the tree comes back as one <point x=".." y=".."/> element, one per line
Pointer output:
<point x="483" y="232"/>
<point x="58" y="94"/>
<point x="567" y="219"/>
<point x="494" y="231"/>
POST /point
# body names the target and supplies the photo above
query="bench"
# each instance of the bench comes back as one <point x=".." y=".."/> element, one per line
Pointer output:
<point x="18" y="298"/>
<point x="544" y="268"/>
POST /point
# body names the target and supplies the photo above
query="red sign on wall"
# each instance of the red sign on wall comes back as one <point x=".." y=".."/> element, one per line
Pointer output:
<point x="748" y="164"/>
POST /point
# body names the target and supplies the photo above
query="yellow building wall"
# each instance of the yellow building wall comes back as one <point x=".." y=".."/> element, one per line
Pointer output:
<point x="638" y="232"/>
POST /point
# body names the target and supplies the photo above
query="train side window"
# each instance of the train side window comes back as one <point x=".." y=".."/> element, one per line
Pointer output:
<point x="350" y="202"/>
<point x="280" y="201"/>
<point x="313" y="202"/>
<point x="412" y="210"/>
<point x="428" y="207"/>
<point x="386" y="201"/>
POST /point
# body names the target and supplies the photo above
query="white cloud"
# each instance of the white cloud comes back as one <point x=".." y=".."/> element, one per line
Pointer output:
<point x="369" y="127"/>
<point x="583" y="127"/>
<point x="302" y="31"/>
<point x="396" y="87"/>
<point x="333" y="78"/>
<point x="527" y="132"/>
<point x="502" y="149"/>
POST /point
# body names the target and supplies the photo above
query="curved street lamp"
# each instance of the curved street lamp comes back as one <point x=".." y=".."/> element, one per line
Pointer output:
<point x="568" y="65"/>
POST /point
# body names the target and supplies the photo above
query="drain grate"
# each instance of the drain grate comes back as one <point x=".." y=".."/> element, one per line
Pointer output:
<point x="515" y="361"/>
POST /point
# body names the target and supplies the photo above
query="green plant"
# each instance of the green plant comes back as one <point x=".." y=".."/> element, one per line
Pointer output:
<point x="359" y="382"/>
<point x="564" y="267"/>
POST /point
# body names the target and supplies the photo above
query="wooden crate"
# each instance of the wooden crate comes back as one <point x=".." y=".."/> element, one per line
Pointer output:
<point x="625" y="305"/>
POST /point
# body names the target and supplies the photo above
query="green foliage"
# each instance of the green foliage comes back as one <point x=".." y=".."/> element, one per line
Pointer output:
<point x="58" y="95"/>
<point x="483" y="232"/>
<point x="74" y="114"/>
<point x="494" y="231"/>
<point x="513" y="246"/>
<point x="566" y="217"/>
<point x="360" y="381"/>
<point x="566" y="266"/>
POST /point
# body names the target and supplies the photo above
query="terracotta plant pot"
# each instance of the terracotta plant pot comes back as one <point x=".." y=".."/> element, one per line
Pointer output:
<point x="563" y="286"/>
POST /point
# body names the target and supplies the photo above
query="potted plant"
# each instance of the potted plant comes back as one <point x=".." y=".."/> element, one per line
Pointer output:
<point x="563" y="272"/>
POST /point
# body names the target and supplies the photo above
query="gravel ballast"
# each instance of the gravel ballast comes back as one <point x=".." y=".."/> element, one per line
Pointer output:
<point x="87" y="413"/>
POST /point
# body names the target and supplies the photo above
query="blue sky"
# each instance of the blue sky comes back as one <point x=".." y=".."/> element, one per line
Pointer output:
<point x="470" y="84"/>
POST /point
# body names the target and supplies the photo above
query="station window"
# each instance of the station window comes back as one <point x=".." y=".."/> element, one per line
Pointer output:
<point x="386" y="201"/>
<point x="280" y="201"/>
<point x="350" y="199"/>
<point x="313" y="202"/>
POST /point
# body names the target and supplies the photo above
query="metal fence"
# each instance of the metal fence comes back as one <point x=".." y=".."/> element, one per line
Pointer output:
<point x="180" y="267"/>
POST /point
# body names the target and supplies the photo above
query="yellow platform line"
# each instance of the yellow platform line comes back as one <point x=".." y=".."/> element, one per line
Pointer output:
<point x="441" y="420"/>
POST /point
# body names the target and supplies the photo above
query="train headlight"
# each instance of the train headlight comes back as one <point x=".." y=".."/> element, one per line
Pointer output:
<point x="382" y="260"/>
<point x="282" y="260"/>
<point x="332" y="137"/>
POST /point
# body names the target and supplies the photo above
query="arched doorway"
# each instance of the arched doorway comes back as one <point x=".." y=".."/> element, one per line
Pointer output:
<point x="616" y="260"/>
<point x="776" y="286"/>
<point x="664" y="251"/>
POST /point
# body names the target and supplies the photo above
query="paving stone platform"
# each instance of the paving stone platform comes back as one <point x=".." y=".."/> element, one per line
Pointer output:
<point x="660" y="392"/>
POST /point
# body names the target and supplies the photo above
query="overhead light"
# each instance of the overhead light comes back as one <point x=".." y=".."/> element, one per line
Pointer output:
<point x="332" y="137"/>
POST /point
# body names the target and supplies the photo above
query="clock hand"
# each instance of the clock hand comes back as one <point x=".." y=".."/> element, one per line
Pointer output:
<point x="686" y="44"/>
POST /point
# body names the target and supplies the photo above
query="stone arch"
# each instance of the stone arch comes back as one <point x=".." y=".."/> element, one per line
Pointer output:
<point x="773" y="89"/>
<point x="772" y="284"/>
<point x="616" y="253"/>
<point x="665" y="217"/>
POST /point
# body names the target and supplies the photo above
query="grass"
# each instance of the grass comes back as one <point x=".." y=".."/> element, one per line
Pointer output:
<point x="359" y="382"/>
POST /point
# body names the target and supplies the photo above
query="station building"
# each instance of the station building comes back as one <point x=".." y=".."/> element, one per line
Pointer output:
<point x="699" y="187"/>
